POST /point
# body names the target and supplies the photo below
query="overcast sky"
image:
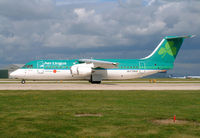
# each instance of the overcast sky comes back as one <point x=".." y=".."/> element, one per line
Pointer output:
<point x="67" y="29"/>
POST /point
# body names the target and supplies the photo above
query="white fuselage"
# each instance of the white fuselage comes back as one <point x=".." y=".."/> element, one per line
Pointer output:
<point x="65" y="74"/>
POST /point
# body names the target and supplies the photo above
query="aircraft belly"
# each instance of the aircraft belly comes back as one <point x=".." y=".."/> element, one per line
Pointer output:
<point x="124" y="74"/>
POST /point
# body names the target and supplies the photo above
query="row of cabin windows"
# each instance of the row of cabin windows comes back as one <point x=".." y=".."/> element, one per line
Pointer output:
<point x="57" y="67"/>
<point x="129" y="67"/>
<point x="48" y="67"/>
<point x="66" y="67"/>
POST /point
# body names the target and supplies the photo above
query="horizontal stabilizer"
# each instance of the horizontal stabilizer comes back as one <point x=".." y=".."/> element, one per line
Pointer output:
<point x="174" y="37"/>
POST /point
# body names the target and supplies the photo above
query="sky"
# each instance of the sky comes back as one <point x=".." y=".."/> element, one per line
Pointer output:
<point x="68" y="29"/>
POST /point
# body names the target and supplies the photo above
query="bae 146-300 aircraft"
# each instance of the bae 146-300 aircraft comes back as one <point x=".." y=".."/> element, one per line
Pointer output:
<point x="160" y="60"/>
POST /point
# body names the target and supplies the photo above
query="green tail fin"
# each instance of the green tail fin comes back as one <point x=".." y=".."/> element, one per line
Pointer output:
<point x="167" y="50"/>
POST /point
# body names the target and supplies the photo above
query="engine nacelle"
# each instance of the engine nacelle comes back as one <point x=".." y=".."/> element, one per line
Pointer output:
<point x="81" y="69"/>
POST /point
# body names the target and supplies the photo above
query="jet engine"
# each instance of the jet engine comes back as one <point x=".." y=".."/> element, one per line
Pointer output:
<point x="81" y="69"/>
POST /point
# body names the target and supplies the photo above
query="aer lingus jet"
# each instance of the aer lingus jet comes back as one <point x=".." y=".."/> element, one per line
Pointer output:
<point x="161" y="59"/>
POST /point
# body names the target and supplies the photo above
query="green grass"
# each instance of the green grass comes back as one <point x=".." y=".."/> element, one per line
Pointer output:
<point x="124" y="113"/>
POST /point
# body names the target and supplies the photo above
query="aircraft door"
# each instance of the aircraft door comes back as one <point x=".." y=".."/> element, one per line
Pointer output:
<point x="40" y="67"/>
<point x="25" y="72"/>
<point x="142" y="67"/>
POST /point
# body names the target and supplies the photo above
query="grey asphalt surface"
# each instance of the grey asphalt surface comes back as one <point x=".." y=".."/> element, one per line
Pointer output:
<point x="111" y="86"/>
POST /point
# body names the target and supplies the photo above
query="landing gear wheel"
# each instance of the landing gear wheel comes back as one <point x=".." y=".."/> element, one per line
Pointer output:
<point x="96" y="82"/>
<point x="23" y="81"/>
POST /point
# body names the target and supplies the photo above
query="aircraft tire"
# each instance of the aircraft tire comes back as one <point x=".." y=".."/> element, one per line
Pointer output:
<point x="23" y="81"/>
<point x="96" y="82"/>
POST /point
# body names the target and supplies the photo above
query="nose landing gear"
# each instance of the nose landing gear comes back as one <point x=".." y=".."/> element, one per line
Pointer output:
<point x="23" y="81"/>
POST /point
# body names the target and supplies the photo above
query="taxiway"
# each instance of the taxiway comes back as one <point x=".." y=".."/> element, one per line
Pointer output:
<point x="111" y="86"/>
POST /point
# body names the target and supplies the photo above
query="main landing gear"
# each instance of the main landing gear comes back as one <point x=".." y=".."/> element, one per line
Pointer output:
<point x="95" y="79"/>
<point x="23" y="81"/>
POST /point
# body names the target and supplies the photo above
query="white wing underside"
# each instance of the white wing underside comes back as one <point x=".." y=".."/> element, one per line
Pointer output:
<point x="100" y="63"/>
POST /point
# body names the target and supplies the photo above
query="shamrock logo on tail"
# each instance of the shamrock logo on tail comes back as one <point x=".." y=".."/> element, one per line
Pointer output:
<point x="168" y="49"/>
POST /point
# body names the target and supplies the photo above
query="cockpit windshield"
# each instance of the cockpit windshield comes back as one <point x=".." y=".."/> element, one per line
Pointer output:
<point x="27" y="66"/>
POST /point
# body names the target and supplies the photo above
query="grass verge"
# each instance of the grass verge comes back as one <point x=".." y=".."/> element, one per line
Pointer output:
<point x="98" y="113"/>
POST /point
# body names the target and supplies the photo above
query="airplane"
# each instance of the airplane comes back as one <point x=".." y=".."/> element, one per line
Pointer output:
<point x="193" y="77"/>
<point x="96" y="70"/>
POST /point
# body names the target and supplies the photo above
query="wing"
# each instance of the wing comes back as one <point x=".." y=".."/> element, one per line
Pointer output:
<point x="99" y="63"/>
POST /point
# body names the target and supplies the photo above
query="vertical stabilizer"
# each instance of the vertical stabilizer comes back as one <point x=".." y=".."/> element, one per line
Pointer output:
<point x="167" y="50"/>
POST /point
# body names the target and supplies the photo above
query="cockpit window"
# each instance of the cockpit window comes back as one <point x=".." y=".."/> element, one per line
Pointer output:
<point x="27" y="66"/>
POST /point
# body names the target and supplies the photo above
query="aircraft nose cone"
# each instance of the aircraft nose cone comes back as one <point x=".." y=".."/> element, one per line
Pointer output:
<point x="18" y="74"/>
<point x="13" y="75"/>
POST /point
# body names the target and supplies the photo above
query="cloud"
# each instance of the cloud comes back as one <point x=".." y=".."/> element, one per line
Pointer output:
<point x="180" y="18"/>
<point x="149" y="29"/>
<point x="70" y="2"/>
<point x="83" y="14"/>
<point x="149" y="2"/>
<point x="25" y="9"/>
